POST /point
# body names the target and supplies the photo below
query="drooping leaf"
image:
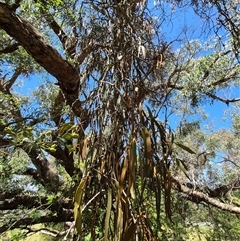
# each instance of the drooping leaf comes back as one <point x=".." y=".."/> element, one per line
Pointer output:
<point x="167" y="194"/>
<point x="147" y="149"/>
<point x="186" y="148"/>
<point x="77" y="211"/>
<point x="129" y="235"/>
<point x="122" y="179"/>
<point x="108" y="213"/>
<point x="64" y="128"/>
<point x="119" y="223"/>
<point x="84" y="147"/>
<point x="132" y="163"/>
<point x="182" y="166"/>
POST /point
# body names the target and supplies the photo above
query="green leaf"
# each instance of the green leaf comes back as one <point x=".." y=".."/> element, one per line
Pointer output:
<point x="182" y="166"/>
<point x="51" y="199"/>
<point x="65" y="128"/>
<point x="67" y="136"/>
<point x="77" y="211"/>
<point x="35" y="215"/>
<point x="107" y="219"/>
<point x="186" y="148"/>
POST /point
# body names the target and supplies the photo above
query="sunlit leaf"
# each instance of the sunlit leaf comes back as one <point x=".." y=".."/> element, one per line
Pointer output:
<point x="186" y="148"/>
<point x="122" y="179"/>
<point x="132" y="163"/>
<point x="119" y="223"/>
<point x="77" y="211"/>
<point x="147" y="148"/>
<point x="64" y="128"/>
<point x="108" y="213"/>
<point x="84" y="147"/>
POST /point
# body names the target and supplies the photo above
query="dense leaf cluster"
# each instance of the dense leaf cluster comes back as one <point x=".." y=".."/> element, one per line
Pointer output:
<point x="111" y="142"/>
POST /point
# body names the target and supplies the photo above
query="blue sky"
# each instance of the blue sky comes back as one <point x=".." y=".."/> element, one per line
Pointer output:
<point x="172" y="29"/>
<point x="185" y="18"/>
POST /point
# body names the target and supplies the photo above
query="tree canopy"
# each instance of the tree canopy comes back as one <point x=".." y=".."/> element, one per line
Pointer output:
<point x="111" y="141"/>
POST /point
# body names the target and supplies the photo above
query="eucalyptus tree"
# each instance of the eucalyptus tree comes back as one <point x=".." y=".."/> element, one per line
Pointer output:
<point x="93" y="142"/>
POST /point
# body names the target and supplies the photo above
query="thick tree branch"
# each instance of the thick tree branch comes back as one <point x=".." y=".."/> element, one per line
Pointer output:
<point x="31" y="201"/>
<point x="10" y="82"/>
<point x="224" y="189"/>
<point x="34" y="174"/>
<point x="226" y="101"/>
<point x="66" y="159"/>
<point x="197" y="197"/>
<point x="39" y="49"/>
<point x="45" y="171"/>
<point x="4" y="143"/>
<point x="65" y="215"/>
<point x="44" y="54"/>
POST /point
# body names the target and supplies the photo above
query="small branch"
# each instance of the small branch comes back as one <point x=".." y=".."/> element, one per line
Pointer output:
<point x="86" y="51"/>
<point x="45" y="230"/>
<point x="69" y="43"/>
<point x="69" y="230"/>
<point x="10" y="48"/>
<point x="57" y="29"/>
<point x="91" y="200"/>
<point x="102" y="11"/>
<point x="224" y="80"/>
<point x="226" y="101"/>
<point x="10" y="83"/>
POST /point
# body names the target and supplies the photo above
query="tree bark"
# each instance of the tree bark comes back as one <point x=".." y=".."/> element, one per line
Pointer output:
<point x="44" y="54"/>
<point x="64" y="216"/>
<point x="31" y="201"/>
<point x="197" y="197"/>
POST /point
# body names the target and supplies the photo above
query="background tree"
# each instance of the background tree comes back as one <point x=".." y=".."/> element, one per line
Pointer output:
<point x="103" y="127"/>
